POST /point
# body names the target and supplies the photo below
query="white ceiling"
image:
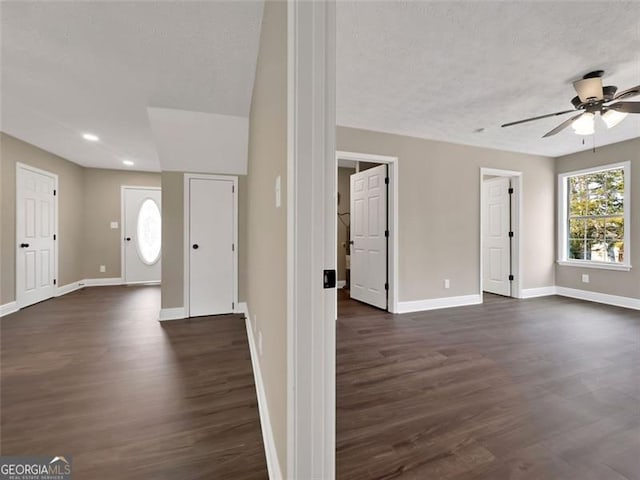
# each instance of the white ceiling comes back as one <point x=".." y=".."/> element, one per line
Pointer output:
<point x="441" y="70"/>
<point x="74" y="67"/>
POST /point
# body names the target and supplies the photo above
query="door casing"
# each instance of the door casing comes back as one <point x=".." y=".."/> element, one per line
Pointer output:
<point x="24" y="166"/>
<point x="516" y="219"/>
<point x="186" y="245"/>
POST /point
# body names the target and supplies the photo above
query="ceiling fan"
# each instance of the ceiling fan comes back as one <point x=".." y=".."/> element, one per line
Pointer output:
<point x="593" y="98"/>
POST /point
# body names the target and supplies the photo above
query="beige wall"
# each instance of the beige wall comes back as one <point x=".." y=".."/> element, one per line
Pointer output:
<point x="439" y="205"/>
<point x="70" y="208"/>
<point x="626" y="284"/>
<point x="102" y="204"/>
<point x="266" y="225"/>
<point x="344" y="191"/>
<point x="88" y="200"/>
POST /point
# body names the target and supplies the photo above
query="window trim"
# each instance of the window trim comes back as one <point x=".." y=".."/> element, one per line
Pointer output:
<point x="563" y="217"/>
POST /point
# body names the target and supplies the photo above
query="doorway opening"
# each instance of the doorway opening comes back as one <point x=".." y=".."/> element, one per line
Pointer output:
<point x="367" y="229"/>
<point x="500" y="239"/>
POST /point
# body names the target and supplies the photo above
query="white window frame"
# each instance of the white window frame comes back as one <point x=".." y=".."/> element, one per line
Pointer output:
<point x="563" y="218"/>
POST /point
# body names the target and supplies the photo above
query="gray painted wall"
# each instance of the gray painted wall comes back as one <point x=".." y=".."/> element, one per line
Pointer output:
<point x="89" y="199"/>
<point x="439" y="211"/>
<point x="626" y="284"/>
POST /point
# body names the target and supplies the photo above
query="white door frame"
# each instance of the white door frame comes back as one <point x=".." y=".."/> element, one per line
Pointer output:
<point x="123" y="272"/>
<point x="185" y="226"/>
<point x="311" y="240"/>
<point x="24" y="166"/>
<point x="392" y="212"/>
<point x="516" y="219"/>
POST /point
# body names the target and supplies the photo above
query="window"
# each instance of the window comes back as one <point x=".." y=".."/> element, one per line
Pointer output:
<point x="594" y="217"/>
<point x="149" y="232"/>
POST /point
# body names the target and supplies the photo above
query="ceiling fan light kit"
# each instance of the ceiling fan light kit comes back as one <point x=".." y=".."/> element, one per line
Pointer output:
<point x="593" y="98"/>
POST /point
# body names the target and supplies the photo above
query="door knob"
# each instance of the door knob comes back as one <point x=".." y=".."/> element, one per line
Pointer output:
<point x="24" y="245"/>
<point x="195" y="246"/>
<point x="128" y="239"/>
<point x="351" y="242"/>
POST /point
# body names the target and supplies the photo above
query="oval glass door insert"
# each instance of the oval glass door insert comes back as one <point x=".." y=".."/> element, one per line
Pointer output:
<point x="149" y="232"/>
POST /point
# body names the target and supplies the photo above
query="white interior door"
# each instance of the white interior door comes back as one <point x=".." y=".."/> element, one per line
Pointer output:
<point x="212" y="211"/>
<point x="142" y="234"/>
<point x="368" y="239"/>
<point x="35" y="230"/>
<point x="496" y="255"/>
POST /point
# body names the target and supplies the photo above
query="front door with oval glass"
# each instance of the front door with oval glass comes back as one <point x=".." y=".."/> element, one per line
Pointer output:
<point x="141" y="234"/>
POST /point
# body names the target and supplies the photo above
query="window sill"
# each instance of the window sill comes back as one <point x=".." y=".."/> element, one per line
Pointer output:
<point x="597" y="265"/>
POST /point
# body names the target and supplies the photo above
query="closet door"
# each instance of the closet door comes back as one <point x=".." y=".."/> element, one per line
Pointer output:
<point x="212" y="212"/>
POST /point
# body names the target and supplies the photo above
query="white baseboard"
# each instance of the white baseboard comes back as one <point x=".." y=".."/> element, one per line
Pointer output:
<point x="273" y="465"/>
<point x="538" y="292"/>
<point x="177" y="313"/>
<point x="341" y="283"/>
<point x="8" y="308"/>
<point x="68" y="288"/>
<point x="436" y="303"/>
<point x="100" y="282"/>
<point x="615" y="300"/>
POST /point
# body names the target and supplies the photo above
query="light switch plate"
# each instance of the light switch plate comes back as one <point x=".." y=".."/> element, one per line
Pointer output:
<point x="278" y="192"/>
<point x="103" y="268"/>
<point x="114" y="225"/>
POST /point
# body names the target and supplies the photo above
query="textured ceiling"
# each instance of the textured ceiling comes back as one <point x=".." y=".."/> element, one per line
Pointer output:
<point x="442" y="70"/>
<point x="74" y="67"/>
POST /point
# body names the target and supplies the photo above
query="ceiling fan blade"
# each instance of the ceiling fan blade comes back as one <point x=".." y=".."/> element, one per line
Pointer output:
<point x="562" y="126"/>
<point x="589" y="89"/>
<point x="537" y="118"/>
<point x="625" y="107"/>
<point x="628" y="93"/>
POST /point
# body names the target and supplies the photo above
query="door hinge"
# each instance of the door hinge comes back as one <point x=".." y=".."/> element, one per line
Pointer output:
<point x="386" y="286"/>
<point x="233" y="247"/>
<point x="510" y="190"/>
<point x="233" y="305"/>
<point x="55" y="192"/>
<point x="233" y="189"/>
<point x="54" y="236"/>
<point x="386" y="233"/>
<point x="55" y="281"/>
<point x="510" y="234"/>
<point x="386" y="180"/>
<point x="510" y="278"/>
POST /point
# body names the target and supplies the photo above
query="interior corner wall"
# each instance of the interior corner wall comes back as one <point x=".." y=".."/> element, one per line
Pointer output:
<point x="88" y="201"/>
<point x="266" y="226"/>
<point x="625" y="284"/>
<point x="439" y="211"/>
<point x="70" y="210"/>
<point x="102" y="205"/>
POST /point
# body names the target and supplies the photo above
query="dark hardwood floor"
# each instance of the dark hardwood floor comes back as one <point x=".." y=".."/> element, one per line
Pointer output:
<point x="544" y="389"/>
<point x="93" y="375"/>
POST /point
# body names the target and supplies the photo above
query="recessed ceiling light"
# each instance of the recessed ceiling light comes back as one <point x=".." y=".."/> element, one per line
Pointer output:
<point x="90" y="137"/>
<point x="128" y="163"/>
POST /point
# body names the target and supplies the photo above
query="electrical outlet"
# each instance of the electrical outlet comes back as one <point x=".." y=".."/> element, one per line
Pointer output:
<point x="103" y="268"/>
<point x="447" y="283"/>
<point x="260" y="343"/>
<point x="114" y="225"/>
<point x="585" y="278"/>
